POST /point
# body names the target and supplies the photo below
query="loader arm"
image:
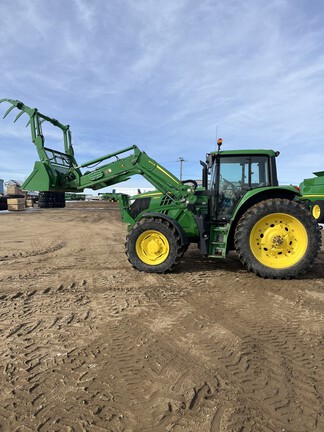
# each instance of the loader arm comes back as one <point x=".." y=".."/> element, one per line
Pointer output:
<point x="122" y="168"/>
<point x="59" y="171"/>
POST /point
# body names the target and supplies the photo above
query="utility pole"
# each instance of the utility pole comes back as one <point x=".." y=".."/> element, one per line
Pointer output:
<point x="181" y="160"/>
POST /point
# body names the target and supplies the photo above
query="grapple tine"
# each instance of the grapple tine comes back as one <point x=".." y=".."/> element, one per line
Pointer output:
<point x="28" y="123"/>
<point x="8" y="111"/>
<point x="6" y="100"/>
<point x="19" y="115"/>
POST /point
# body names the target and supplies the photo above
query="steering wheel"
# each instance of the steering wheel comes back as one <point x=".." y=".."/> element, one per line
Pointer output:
<point x="229" y="186"/>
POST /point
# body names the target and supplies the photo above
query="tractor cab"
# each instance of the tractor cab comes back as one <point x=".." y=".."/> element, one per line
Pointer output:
<point x="233" y="173"/>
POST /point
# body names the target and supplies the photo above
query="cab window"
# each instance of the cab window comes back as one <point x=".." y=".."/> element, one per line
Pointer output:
<point x="236" y="176"/>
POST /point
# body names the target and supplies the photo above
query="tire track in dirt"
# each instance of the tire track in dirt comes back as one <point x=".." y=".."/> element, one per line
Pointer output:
<point x="33" y="253"/>
<point x="271" y="351"/>
<point x="150" y="363"/>
<point x="147" y="365"/>
<point x="141" y="364"/>
<point x="89" y="344"/>
<point x="240" y="364"/>
<point x="34" y="349"/>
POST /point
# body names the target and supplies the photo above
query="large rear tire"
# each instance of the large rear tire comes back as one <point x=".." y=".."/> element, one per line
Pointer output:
<point x="277" y="239"/>
<point x="154" y="245"/>
<point x="318" y="211"/>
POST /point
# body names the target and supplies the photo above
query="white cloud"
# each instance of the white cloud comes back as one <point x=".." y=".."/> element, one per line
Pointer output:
<point x="164" y="74"/>
<point x="86" y="13"/>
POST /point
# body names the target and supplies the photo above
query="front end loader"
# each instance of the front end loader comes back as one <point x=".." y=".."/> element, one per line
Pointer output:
<point x="240" y="205"/>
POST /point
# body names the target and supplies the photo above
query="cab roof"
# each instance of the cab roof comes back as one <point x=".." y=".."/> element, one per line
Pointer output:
<point x="245" y="152"/>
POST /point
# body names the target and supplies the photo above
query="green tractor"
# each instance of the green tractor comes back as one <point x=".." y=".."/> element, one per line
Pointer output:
<point x="239" y="205"/>
<point x="312" y="190"/>
<point x="109" y="196"/>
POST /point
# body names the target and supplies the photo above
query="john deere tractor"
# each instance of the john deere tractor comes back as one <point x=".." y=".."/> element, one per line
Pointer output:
<point x="238" y="206"/>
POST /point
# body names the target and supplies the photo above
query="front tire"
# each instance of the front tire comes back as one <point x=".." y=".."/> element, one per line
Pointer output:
<point x="154" y="245"/>
<point x="277" y="239"/>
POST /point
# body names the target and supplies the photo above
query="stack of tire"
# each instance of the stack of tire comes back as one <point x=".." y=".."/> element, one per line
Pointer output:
<point x="3" y="203"/>
<point x="3" y="200"/>
<point x="51" y="200"/>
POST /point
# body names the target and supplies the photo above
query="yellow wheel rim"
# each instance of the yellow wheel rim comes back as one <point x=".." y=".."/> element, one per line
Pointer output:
<point x="152" y="247"/>
<point x="316" y="210"/>
<point x="278" y="240"/>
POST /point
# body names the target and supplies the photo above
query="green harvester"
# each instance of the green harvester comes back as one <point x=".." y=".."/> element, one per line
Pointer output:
<point x="312" y="190"/>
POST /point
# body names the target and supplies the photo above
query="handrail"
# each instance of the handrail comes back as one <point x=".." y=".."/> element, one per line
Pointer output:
<point x="108" y="156"/>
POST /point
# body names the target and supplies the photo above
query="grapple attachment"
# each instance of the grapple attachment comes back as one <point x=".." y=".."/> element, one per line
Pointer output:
<point x="50" y="172"/>
<point x="19" y="105"/>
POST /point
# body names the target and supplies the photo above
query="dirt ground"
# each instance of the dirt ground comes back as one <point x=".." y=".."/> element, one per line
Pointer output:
<point x="90" y="344"/>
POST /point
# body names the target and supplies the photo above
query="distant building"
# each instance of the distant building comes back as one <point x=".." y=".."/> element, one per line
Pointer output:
<point x="12" y="183"/>
<point x="13" y="187"/>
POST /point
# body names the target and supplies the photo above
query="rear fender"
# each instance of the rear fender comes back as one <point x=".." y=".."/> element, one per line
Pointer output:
<point x="259" y="194"/>
<point x="255" y="196"/>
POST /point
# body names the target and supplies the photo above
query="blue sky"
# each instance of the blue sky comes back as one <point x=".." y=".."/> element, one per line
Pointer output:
<point x="165" y="75"/>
